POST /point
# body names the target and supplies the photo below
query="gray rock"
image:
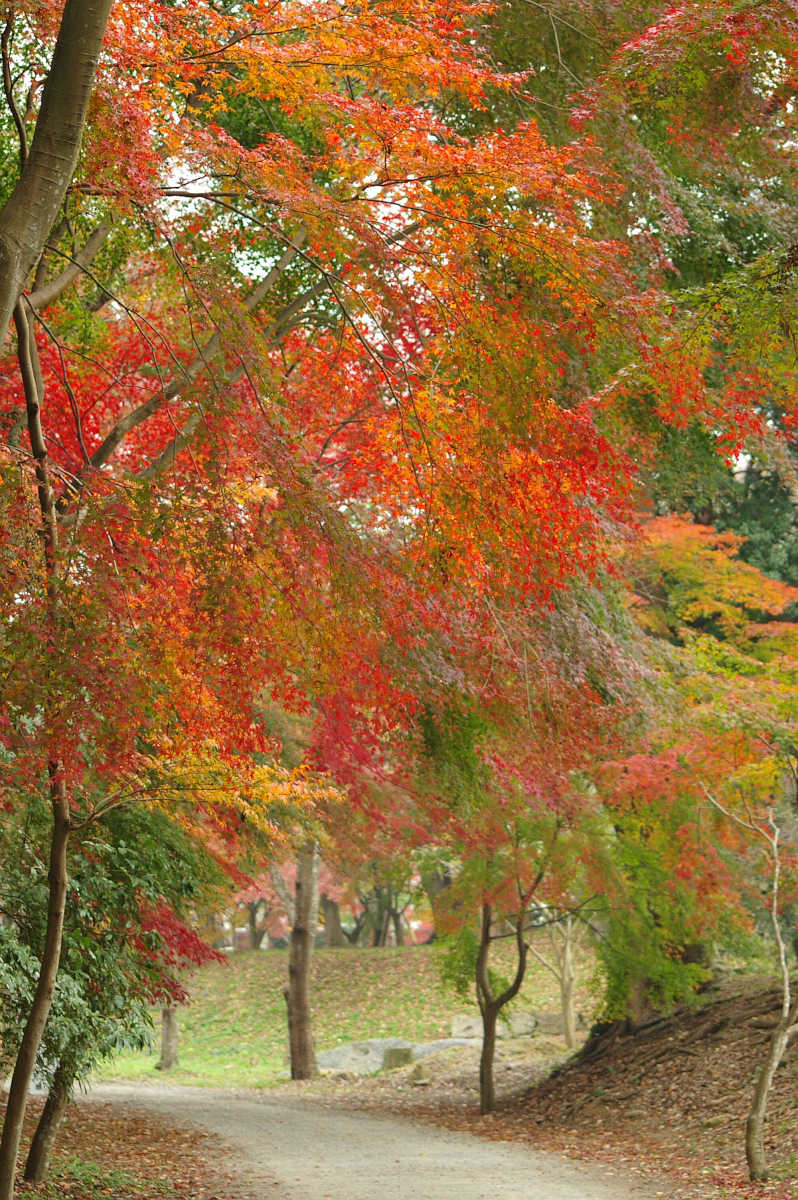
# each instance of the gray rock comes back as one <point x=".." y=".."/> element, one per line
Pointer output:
<point x="369" y="1057"/>
<point x="550" y="1023"/>
<point x="521" y="1024"/>
<point x="422" y="1049"/>
<point x="363" y="1058"/>
<point x="466" y="1027"/>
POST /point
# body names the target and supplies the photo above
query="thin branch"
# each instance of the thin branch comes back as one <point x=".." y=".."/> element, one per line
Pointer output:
<point x="179" y="384"/>
<point x="543" y="960"/>
<point x="30" y="370"/>
<point x="50" y="291"/>
<point x="73" y="404"/>
<point x="8" y="88"/>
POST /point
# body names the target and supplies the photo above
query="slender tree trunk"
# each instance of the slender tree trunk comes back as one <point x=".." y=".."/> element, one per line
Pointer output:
<point x="32" y="208"/>
<point x="59" y="800"/>
<point x="297" y="994"/>
<point x="567" y="980"/>
<point x="169" y="1039"/>
<point x="354" y="934"/>
<point x="490" y="1005"/>
<point x="34" y="1027"/>
<point x="382" y="918"/>
<point x="333" y="930"/>
<point x="41" y="1146"/>
<point x="398" y="928"/>
<point x="755" y="1125"/>
<point x="256" y="935"/>
<point x="487" y="1091"/>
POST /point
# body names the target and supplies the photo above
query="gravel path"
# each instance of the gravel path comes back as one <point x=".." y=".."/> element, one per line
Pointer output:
<point x="295" y="1150"/>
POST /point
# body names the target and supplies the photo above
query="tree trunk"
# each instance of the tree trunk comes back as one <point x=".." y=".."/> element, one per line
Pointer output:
<point x="30" y="371"/>
<point x="567" y="987"/>
<point x="256" y="935"/>
<point x="41" y="1146"/>
<point x="169" y="1037"/>
<point x="487" y="1092"/>
<point x="297" y="994"/>
<point x="34" y="1027"/>
<point x="489" y="1005"/>
<point x="755" y="1125"/>
<point x="32" y="208"/>
<point x="333" y="930"/>
<point x="382" y="918"/>
<point x="354" y="934"/>
<point x="398" y="928"/>
<point x="436" y="882"/>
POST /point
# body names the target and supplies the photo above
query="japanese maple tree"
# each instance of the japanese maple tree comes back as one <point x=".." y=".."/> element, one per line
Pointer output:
<point x="314" y="376"/>
<point x="724" y="763"/>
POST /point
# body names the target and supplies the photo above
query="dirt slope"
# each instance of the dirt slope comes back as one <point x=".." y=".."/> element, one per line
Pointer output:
<point x="670" y="1099"/>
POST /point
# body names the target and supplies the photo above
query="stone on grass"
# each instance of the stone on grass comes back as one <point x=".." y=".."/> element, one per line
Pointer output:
<point x="521" y="1024"/>
<point x="549" y="1023"/>
<point x="421" y="1075"/>
<point x="367" y="1058"/>
<point x="466" y="1027"/>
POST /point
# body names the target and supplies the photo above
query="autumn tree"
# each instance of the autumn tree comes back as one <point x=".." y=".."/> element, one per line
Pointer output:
<point x="503" y="785"/>
<point x="312" y="368"/>
<point x="724" y="769"/>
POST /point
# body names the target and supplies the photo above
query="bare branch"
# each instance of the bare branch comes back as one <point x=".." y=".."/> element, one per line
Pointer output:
<point x="8" y="88"/>
<point x="48" y="292"/>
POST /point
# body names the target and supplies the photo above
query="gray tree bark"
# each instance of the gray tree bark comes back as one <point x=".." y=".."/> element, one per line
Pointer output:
<point x="333" y="930"/>
<point x="32" y="208"/>
<point x="169" y="1037"/>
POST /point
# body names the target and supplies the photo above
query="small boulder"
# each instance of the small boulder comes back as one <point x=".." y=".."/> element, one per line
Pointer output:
<point x="550" y="1023"/>
<point x="521" y="1024"/>
<point x="466" y="1027"/>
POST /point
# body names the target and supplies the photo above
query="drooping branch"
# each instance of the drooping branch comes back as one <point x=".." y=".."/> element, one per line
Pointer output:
<point x="176" y="387"/>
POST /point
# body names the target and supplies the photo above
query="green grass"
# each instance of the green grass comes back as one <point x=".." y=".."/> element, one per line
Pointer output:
<point x="81" y="1179"/>
<point x="233" y="1032"/>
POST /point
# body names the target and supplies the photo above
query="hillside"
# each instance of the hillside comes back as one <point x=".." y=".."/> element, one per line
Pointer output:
<point x="667" y="1101"/>
<point x="233" y="1031"/>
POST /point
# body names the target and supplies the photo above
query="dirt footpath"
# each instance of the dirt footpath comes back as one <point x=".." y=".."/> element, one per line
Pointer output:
<point x="297" y="1150"/>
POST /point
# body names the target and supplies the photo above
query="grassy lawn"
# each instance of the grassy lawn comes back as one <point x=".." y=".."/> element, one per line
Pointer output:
<point x="233" y="1032"/>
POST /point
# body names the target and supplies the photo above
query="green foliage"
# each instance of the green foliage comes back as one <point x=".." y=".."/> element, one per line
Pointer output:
<point x="761" y="508"/>
<point x="451" y="737"/>
<point x="458" y="959"/>
<point x="458" y="962"/>
<point x="637" y="968"/>
<point x="111" y="970"/>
